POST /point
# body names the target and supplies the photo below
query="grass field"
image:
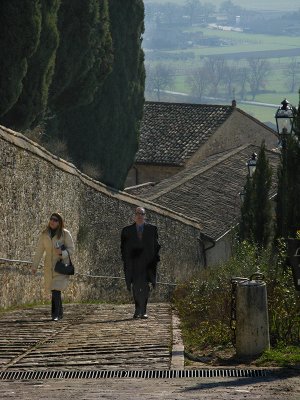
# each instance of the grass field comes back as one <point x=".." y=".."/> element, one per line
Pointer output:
<point x="242" y="42"/>
<point x="272" y="5"/>
<point x="275" y="83"/>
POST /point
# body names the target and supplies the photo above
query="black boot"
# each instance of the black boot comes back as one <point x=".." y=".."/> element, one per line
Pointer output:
<point x="57" y="309"/>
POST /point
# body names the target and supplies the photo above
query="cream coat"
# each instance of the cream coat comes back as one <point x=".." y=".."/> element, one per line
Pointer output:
<point x="46" y="245"/>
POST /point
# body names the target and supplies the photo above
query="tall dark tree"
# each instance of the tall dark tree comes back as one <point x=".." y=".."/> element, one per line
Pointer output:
<point x="84" y="55"/>
<point x="256" y="211"/>
<point x="246" y="225"/>
<point x="288" y="195"/>
<point x="20" y="27"/>
<point x="105" y="133"/>
<point x="262" y="207"/>
<point x="32" y="102"/>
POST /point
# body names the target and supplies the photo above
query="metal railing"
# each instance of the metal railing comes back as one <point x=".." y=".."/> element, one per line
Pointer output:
<point x="26" y="263"/>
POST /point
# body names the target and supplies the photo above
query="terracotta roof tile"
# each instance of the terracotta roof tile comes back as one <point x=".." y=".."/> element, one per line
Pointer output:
<point x="172" y="132"/>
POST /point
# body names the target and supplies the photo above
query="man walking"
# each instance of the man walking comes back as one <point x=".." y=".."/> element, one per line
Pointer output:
<point x="140" y="248"/>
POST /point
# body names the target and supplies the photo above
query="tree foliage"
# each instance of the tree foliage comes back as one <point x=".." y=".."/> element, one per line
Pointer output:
<point x="105" y="132"/>
<point x="288" y="204"/>
<point x="159" y="78"/>
<point x="33" y="100"/>
<point x="256" y="211"/>
<point x="84" y="55"/>
<point x="259" y="69"/>
<point x="77" y="68"/>
<point x="20" y="27"/>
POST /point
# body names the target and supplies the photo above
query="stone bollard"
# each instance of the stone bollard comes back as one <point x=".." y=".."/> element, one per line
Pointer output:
<point x="252" y="324"/>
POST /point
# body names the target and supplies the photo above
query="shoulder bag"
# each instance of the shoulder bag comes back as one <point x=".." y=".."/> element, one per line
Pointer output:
<point x="64" y="269"/>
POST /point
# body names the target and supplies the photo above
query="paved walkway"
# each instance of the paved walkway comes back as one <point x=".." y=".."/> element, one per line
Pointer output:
<point x="88" y="337"/>
<point x="98" y="337"/>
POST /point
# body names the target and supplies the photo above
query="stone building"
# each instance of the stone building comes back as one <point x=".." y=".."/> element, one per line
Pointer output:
<point x="209" y="193"/>
<point x="175" y="136"/>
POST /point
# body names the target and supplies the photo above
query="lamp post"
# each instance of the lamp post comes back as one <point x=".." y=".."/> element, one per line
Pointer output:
<point x="251" y="166"/>
<point x="284" y="121"/>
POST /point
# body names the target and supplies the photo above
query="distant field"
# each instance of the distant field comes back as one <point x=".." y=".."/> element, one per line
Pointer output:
<point x="271" y="5"/>
<point x="277" y="49"/>
<point x="243" y="42"/>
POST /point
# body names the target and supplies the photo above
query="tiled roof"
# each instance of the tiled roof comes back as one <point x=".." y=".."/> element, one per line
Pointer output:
<point x="172" y="132"/>
<point x="209" y="191"/>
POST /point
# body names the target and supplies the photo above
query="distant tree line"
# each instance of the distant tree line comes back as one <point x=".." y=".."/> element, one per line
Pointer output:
<point x="217" y="77"/>
<point x="75" y="70"/>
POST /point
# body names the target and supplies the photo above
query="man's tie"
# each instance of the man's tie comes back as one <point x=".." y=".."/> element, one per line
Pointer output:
<point x="140" y="232"/>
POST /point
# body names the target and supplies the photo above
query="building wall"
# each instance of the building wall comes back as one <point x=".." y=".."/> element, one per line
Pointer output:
<point x="34" y="183"/>
<point x="149" y="173"/>
<point x="237" y="130"/>
<point x="221" y="252"/>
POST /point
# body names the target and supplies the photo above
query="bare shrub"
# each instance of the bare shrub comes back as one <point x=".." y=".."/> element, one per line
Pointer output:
<point x="91" y="170"/>
<point x="36" y="134"/>
<point x="58" y="147"/>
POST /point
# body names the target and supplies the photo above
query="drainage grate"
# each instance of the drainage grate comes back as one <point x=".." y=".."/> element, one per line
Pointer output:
<point x="142" y="374"/>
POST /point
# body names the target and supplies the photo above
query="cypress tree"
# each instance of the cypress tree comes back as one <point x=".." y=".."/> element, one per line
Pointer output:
<point x="262" y="208"/>
<point x="256" y="211"/>
<point x="31" y="105"/>
<point x="288" y="194"/>
<point x="20" y="26"/>
<point x="246" y="225"/>
<point x="84" y="55"/>
<point x="105" y="132"/>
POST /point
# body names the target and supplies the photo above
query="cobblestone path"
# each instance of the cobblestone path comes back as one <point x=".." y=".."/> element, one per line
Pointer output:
<point x="105" y="337"/>
<point x="88" y="337"/>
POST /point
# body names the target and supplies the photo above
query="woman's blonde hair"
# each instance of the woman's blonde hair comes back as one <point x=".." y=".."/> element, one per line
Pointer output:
<point x="61" y="224"/>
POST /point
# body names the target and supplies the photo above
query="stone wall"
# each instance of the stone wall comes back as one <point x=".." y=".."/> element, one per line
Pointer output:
<point x="34" y="183"/>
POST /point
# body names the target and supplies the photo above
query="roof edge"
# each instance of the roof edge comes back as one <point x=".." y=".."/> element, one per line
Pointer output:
<point x="199" y="171"/>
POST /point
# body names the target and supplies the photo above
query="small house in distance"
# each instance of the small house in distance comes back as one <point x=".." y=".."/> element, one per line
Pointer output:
<point x="176" y="136"/>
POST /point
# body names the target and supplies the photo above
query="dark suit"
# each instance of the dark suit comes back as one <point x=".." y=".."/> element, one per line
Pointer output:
<point x="140" y="258"/>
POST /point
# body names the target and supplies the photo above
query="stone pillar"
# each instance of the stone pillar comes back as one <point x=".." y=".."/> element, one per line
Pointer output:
<point x="252" y="324"/>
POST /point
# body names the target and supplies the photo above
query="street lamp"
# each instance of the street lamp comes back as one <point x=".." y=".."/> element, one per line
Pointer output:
<point x="251" y="164"/>
<point x="285" y="121"/>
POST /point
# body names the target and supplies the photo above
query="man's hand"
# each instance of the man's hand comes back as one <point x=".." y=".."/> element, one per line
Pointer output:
<point x="33" y="270"/>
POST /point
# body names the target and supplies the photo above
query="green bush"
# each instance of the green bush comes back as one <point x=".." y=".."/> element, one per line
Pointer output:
<point x="204" y="303"/>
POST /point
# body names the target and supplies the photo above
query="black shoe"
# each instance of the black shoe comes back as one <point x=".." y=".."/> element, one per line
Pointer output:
<point x="135" y="316"/>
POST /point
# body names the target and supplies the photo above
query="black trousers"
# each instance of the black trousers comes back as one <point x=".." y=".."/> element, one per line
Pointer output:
<point x="57" y="308"/>
<point x="140" y="294"/>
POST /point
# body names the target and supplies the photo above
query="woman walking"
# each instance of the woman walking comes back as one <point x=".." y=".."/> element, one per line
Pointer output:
<point x="56" y="243"/>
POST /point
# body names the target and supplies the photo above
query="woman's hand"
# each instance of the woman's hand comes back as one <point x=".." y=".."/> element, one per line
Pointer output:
<point x="58" y="252"/>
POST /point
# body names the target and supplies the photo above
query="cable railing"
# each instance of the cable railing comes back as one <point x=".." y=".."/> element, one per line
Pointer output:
<point x="24" y="262"/>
